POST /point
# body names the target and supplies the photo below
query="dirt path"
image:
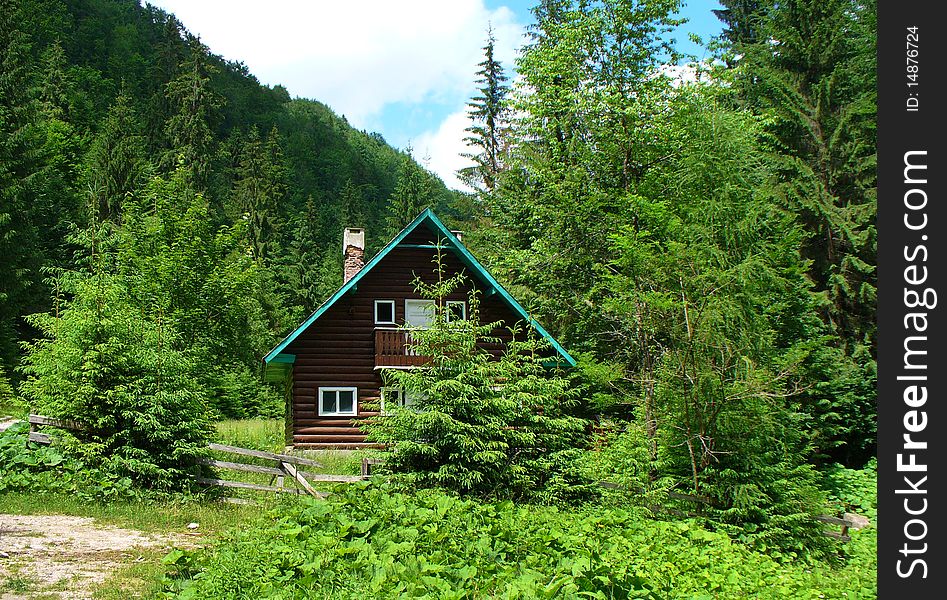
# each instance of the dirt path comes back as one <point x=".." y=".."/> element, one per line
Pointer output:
<point x="57" y="556"/>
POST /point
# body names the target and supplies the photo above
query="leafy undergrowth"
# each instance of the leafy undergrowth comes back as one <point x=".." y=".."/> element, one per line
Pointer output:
<point x="370" y="541"/>
<point x="28" y="467"/>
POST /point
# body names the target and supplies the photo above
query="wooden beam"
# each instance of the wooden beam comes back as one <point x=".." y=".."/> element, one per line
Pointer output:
<point x="61" y="423"/>
<point x="278" y="473"/>
<point x="284" y="458"/>
<point x="295" y="474"/>
<point x="245" y="486"/>
<point x="332" y="478"/>
<point x="220" y="464"/>
<point x="40" y="438"/>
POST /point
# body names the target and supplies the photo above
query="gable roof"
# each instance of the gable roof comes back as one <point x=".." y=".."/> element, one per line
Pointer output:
<point x="451" y="242"/>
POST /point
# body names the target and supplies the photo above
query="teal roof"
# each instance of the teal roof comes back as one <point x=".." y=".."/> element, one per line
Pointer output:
<point x="450" y="242"/>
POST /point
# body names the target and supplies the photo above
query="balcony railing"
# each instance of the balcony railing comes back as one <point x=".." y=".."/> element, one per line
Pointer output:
<point x="393" y="349"/>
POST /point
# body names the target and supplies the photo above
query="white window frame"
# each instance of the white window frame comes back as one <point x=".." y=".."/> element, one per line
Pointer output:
<point x="323" y="413"/>
<point x="390" y="302"/>
<point x="385" y="410"/>
<point x="405" y="401"/>
<point x="416" y="301"/>
<point x="463" y="310"/>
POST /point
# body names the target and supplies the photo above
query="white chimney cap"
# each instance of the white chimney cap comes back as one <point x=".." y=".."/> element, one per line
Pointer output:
<point x="354" y="236"/>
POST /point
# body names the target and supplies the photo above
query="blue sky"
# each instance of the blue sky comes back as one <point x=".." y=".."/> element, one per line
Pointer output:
<point x="402" y="69"/>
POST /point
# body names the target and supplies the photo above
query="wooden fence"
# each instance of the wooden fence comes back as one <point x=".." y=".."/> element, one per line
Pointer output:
<point x="285" y="468"/>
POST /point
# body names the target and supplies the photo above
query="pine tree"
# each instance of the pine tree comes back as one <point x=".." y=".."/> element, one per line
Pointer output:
<point x="170" y="56"/>
<point x="116" y="162"/>
<point x="742" y="20"/>
<point x="477" y="424"/>
<point x="100" y="362"/>
<point x="19" y="147"/>
<point x="260" y="190"/>
<point x="488" y="112"/>
<point x="413" y="193"/>
<point x="352" y="203"/>
<point x="811" y="73"/>
<point x="55" y="88"/>
<point x="195" y="107"/>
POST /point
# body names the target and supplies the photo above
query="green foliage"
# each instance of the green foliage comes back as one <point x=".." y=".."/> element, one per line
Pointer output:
<point x="101" y="364"/>
<point x="375" y="542"/>
<point x="622" y="457"/>
<point x="853" y="490"/>
<point x="478" y="424"/>
<point x="28" y="467"/>
<point x="183" y="271"/>
<point x="99" y="96"/>
<point x="489" y="112"/>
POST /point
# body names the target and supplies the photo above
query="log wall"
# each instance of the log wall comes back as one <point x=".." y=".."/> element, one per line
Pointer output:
<point x="338" y="349"/>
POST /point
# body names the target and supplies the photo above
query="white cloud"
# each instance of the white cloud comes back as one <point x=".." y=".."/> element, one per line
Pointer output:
<point x="357" y="56"/>
<point x="444" y="148"/>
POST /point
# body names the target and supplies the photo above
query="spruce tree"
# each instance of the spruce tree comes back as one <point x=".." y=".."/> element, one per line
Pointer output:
<point x="810" y="71"/>
<point x="116" y="162"/>
<point x="413" y="193"/>
<point x="488" y="112"/>
<point x="20" y="147"/>
<point x="195" y="110"/>
<point x="260" y="189"/>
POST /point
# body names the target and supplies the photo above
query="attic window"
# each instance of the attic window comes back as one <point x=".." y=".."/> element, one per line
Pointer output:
<point x="456" y="310"/>
<point x="384" y="312"/>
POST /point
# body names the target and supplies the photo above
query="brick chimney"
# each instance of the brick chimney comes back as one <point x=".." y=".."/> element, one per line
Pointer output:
<point x="353" y="252"/>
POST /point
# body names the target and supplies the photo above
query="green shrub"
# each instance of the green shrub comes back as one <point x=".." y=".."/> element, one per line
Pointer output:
<point x="478" y="424"/>
<point x="102" y="364"/>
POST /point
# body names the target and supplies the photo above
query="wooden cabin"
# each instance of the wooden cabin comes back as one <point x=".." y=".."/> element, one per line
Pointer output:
<point x="332" y="363"/>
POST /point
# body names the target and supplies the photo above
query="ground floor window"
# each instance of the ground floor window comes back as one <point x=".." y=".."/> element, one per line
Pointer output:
<point x="338" y="401"/>
<point x="392" y="397"/>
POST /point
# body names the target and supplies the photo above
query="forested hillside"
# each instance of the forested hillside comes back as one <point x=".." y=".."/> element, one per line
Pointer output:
<point x="214" y="204"/>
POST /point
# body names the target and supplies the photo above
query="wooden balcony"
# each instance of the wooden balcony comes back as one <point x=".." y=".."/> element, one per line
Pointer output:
<point x="392" y="349"/>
